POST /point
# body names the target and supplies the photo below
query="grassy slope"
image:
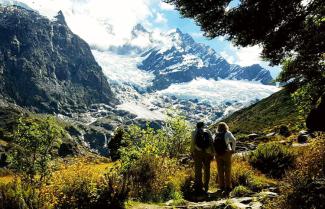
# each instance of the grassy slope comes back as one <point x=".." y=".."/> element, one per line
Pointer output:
<point x="267" y="115"/>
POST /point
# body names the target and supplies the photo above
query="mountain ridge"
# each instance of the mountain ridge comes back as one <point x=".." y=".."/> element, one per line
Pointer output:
<point x="46" y="67"/>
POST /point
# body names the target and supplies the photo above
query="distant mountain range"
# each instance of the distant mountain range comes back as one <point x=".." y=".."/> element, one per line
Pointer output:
<point x="174" y="57"/>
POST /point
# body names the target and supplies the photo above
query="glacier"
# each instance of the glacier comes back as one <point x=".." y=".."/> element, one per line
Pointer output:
<point x="156" y="71"/>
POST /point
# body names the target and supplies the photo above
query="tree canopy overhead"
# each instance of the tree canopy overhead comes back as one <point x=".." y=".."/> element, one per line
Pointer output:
<point x="291" y="33"/>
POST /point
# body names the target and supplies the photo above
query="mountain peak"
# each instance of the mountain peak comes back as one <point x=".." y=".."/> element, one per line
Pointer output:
<point x="140" y="28"/>
<point x="175" y="31"/>
<point x="60" y="18"/>
<point x="256" y="66"/>
<point x="181" y="37"/>
<point x="179" y="31"/>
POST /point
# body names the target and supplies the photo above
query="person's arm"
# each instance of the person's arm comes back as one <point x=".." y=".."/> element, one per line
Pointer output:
<point x="232" y="140"/>
<point x="211" y="147"/>
<point x="192" y="142"/>
<point x="210" y="135"/>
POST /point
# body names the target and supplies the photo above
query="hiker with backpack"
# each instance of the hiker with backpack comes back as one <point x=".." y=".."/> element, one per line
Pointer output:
<point x="202" y="152"/>
<point x="224" y="144"/>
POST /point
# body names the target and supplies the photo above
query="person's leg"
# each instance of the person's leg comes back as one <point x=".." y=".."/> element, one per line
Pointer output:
<point x="228" y="171"/>
<point x="206" y="165"/>
<point x="198" y="171"/>
<point x="221" y="178"/>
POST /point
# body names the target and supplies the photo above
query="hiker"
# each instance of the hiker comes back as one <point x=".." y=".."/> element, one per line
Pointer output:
<point x="224" y="145"/>
<point x="202" y="153"/>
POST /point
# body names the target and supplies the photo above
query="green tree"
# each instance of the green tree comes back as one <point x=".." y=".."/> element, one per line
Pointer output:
<point x="34" y="140"/>
<point x="178" y="132"/>
<point x="115" y="144"/>
<point x="291" y="33"/>
<point x="138" y="142"/>
<point x="172" y="140"/>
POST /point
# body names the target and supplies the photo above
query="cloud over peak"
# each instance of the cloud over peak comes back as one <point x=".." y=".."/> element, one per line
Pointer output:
<point x="100" y="23"/>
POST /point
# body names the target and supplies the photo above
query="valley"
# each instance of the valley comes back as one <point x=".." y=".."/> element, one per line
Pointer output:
<point x="98" y="106"/>
<point x="150" y="77"/>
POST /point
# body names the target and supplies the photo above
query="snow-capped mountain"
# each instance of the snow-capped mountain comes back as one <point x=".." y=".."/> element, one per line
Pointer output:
<point x="154" y="71"/>
<point x="174" y="57"/>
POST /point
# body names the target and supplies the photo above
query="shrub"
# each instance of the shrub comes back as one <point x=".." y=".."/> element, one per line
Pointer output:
<point x="34" y="140"/>
<point x="85" y="186"/>
<point x="284" y="131"/>
<point x="173" y="140"/>
<point x="146" y="156"/>
<point x="240" y="191"/>
<point x="187" y="187"/>
<point x="178" y="138"/>
<point x="140" y="142"/>
<point x="272" y="159"/>
<point x="5" y="172"/>
<point x="16" y="195"/>
<point x="150" y="178"/>
<point x="243" y="175"/>
<point x="112" y="191"/>
<point x="72" y="187"/>
<point x="304" y="187"/>
<point x="115" y="143"/>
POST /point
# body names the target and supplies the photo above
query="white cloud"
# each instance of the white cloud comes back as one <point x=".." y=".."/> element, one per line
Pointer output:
<point x="221" y="38"/>
<point x="100" y="23"/>
<point x="197" y="35"/>
<point x="230" y="59"/>
<point x="160" y="18"/>
<point x="246" y="56"/>
<point x="165" y="6"/>
<point x="243" y="56"/>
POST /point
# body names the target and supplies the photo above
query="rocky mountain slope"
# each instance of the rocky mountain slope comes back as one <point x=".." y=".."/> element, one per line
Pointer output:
<point x="45" y="67"/>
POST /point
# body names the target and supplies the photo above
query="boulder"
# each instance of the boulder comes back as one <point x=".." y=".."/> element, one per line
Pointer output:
<point x="302" y="138"/>
<point x="270" y="134"/>
<point x="284" y="131"/>
<point x="252" y="136"/>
